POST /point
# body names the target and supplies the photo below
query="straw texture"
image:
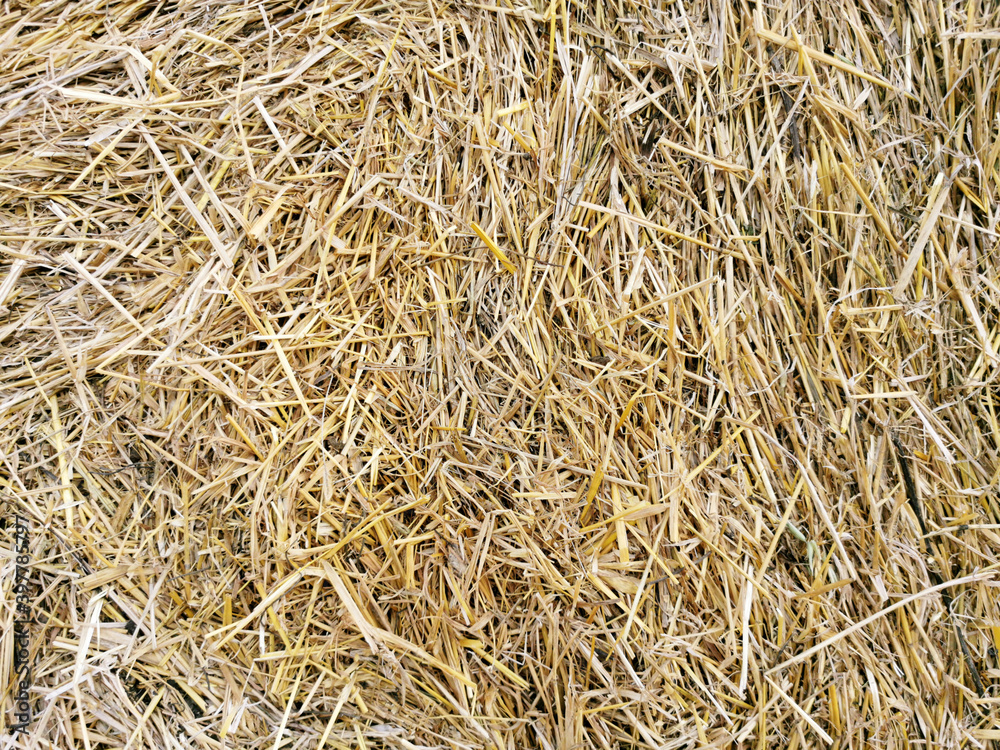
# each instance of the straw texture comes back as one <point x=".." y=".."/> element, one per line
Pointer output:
<point x="514" y="375"/>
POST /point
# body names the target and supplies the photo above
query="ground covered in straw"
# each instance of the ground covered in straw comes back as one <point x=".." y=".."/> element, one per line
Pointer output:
<point x="501" y="374"/>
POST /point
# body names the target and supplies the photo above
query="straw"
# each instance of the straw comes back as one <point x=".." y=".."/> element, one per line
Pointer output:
<point x="501" y="374"/>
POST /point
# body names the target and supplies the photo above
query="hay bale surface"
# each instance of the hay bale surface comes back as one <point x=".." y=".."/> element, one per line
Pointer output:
<point x="502" y="375"/>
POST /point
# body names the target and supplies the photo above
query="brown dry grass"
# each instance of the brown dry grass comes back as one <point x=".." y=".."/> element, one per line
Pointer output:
<point x="567" y="375"/>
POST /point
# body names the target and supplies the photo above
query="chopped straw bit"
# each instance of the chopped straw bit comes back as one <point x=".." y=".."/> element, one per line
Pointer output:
<point x="500" y="374"/>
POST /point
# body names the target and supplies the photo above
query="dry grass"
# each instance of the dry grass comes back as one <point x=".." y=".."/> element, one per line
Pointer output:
<point x="481" y="375"/>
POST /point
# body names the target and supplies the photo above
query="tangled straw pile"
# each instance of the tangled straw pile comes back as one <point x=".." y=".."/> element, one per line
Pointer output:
<point x="500" y="375"/>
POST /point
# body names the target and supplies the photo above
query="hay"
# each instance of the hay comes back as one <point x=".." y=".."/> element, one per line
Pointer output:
<point x="568" y="375"/>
